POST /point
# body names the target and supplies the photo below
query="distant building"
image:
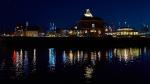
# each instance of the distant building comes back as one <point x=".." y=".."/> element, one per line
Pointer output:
<point x="124" y="32"/>
<point x="127" y="31"/>
<point x="32" y="31"/>
<point x="28" y="31"/>
<point x="88" y="26"/>
<point x="145" y="31"/>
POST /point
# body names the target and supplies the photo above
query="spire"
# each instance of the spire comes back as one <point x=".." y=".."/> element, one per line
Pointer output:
<point x="27" y="23"/>
<point x="88" y="13"/>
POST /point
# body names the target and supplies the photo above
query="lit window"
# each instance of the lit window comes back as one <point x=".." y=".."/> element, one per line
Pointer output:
<point x="99" y="31"/>
<point x="135" y="33"/>
<point x="93" y="25"/>
<point x="106" y="30"/>
<point x="122" y="33"/>
<point x="75" y="27"/>
<point x="93" y="30"/>
<point x="131" y="33"/>
<point x="85" y="31"/>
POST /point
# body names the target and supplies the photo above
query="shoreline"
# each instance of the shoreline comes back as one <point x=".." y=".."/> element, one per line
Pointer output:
<point x="60" y="42"/>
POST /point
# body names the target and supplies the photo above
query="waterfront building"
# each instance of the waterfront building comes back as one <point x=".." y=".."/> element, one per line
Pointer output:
<point x="28" y="31"/>
<point x="126" y="31"/>
<point x="88" y="26"/>
<point x="32" y="31"/>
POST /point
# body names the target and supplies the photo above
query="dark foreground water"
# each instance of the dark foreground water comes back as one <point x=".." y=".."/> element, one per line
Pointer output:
<point x="98" y="66"/>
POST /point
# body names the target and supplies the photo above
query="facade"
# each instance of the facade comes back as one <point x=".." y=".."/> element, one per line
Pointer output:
<point x="124" y="32"/>
<point x="88" y="26"/>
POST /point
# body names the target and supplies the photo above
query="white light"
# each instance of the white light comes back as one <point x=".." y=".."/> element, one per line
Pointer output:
<point x="88" y="13"/>
<point x="93" y="25"/>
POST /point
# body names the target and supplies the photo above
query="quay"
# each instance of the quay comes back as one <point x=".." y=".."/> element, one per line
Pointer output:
<point x="59" y="42"/>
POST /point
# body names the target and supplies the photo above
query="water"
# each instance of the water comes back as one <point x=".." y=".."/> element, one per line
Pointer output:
<point x="115" y="65"/>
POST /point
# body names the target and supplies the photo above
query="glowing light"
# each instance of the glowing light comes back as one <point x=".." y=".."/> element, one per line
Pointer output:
<point x="125" y="54"/>
<point x="86" y="31"/>
<point x="99" y="32"/>
<point x="70" y="32"/>
<point x="110" y="55"/>
<point x="64" y="57"/>
<point x="88" y="13"/>
<point x="34" y="60"/>
<point x="88" y="72"/>
<point x="14" y="57"/>
<point x="78" y="56"/>
<point x="71" y="56"/>
<point x="99" y="55"/>
<point x="93" y="30"/>
<point x="19" y="63"/>
<point x="81" y="55"/>
<point x="93" y="25"/>
<point x="125" y="29"/>
<point x="106" y="30"/>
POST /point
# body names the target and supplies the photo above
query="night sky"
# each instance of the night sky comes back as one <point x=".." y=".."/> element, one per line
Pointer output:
<point x="67" y="12"/>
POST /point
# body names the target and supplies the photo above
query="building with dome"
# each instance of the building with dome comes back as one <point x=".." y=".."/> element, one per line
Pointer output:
<point x="88" y="26"/>
<point x="124" y="32"/>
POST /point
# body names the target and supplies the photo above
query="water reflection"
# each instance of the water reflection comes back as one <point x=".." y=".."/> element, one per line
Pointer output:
<point x="52" y="59"/>
<point x="19" y="63"/>
<point x="27" y="62"/>
<point x="127" y="54"/>
<point x="20" y="60"/>
<point x="34" y="61"/>
<point x="88" y="72"/>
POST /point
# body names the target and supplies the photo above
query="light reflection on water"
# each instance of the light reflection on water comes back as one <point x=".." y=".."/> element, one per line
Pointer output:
<point x="26" y="61"/>
<point x="127" y="54"/>
<point x="52" y="59"/>
<point x="34" y="61"/>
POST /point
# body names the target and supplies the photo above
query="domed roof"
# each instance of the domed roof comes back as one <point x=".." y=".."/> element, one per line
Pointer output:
<point x="89" y="21"/>
<point x="89" y="16"/>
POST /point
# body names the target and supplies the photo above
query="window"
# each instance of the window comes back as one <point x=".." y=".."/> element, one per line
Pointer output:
<point x="93" y="25"/>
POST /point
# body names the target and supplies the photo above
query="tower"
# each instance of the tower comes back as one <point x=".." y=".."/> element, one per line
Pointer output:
<point x="52" y="27"/>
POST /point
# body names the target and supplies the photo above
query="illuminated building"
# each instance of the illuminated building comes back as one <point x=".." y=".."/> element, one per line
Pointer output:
<point x="31" y="31"/>
<point x="124" y="32"/>
<point x="28" y="31"/>
<point x="88" y="26"/>
<point x="52" y="30"/>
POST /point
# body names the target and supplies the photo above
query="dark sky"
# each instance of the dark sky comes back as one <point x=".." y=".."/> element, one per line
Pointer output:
<point x="67" y="12"/>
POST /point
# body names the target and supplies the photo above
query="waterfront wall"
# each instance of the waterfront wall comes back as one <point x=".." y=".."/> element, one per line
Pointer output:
<point x="73" y="42"/>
